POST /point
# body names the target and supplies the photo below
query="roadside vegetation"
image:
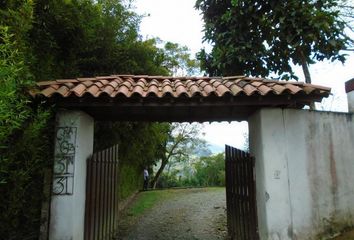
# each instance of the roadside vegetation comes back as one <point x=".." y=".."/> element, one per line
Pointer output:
<point x="204" y="171"/>
<point x="54" y="39"/>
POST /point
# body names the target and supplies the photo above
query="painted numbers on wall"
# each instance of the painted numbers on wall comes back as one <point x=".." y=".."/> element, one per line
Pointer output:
<point x="63" y="173"/>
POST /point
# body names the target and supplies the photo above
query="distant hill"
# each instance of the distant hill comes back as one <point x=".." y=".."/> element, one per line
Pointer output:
<point x="216" y="148"/>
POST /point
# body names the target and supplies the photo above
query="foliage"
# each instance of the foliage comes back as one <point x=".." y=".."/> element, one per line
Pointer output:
<point x="210" y="171"/>
<point x="25" y="145"/>
<point x="204" y="172"/>
<point x="73" y="38"/>
<point x="264" y="37"/>
<point x="346" y="11"/>
<point x="178" y="60"/>
<point x="181" y="143"/>
<point x="140" y="144"/>
<point x="22" y="167"/>
<point x="13" y="106"/>
<point x="17" y="16"/>
<point x="86" y="38"/>
<point x="47" y="39"/>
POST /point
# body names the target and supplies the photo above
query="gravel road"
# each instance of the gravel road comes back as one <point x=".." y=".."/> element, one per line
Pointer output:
<point x="190" y="214"/>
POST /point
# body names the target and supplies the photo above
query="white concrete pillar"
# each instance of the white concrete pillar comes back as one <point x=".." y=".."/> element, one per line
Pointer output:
<point x="349" y="89"/>
<point x="267" y="138"/>
<point x="73" y="145"/>
<point x="304" y="171"/>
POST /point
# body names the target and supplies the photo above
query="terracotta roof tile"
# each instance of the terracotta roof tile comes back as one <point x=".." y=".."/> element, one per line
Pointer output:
<point x="44" y="83"/>
<point x="79" y="90"/>
<point x="278" y="89"/>
<point x="163" y="86"/>
<point x="293" y="88"/>
<point x="153" y="89"/>
<point x="114" y="84"/>
<point x="93" y="90"/>
<point x="55" y="86"/>
<point x="264" y="89"/>
<point x="249" y="89"/>
<point x="167" y="90"/>
<point x="124" y="90"/>
<point x="108" y="89"/>
<point x="63" y="90"/>
<point x="87" y="83"/>
<point x="48" y="91"/>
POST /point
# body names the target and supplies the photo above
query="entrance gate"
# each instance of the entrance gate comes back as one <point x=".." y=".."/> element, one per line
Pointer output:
<point x="101" y="214"/>
<point x="240" y="194"/>
<point x="164" y="99"/>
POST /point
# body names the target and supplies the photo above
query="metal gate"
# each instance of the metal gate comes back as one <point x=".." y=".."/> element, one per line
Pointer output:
<point x="240" y="194"/>
<point x="101" y="213"/>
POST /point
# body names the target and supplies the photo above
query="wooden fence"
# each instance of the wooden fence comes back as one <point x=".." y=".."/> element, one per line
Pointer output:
<point x="240" y="195"/>
<point x="101" y="214"/>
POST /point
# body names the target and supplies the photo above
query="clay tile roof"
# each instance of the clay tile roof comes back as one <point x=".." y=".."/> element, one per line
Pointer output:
<point x="176" y="87"/>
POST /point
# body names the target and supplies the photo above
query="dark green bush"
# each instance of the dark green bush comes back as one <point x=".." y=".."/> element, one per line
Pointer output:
<point x="25" y="142"/>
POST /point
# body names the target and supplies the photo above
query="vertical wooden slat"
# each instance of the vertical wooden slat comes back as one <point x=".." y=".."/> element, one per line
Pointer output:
<point x="233" y="190"/>
<point x="228" y="190"/>
<point x="243" y="195"/>
<point x="98" y="196"/>
<point x="240" y="192"/>
<point x="117" y="184"/>
<point x="88" y="201"/>
<point x="236" y="172"/>
<point x="111" y="229"/>
<point x="93" y="194"/>
<point x="247" y="205"/>
<point x="105" y="212"/>
<point x="114" y="187"/>
<point x="101" y="195"/>
<point x="109" y="193"/>
<point x="253" y="200"/>
<point x="246" y="222"/>
<point x="250" y="194"/>
<point x="233" y="187"/>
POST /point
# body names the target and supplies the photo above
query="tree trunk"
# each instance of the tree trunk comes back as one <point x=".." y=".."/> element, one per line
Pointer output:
<point x="157" y="175"/>
<point x="305" y="69"/>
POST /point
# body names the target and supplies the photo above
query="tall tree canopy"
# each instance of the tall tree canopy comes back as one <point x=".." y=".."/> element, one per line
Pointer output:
<point x="264" y="37"/>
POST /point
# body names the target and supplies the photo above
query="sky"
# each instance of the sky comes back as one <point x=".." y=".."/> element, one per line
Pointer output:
<point x="177" y="21"/>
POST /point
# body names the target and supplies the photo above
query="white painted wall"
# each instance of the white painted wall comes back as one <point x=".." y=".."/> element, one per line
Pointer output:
<point x="68" y="211"/>
<point x="305" y="171"/>
<point x="350" y="97"/>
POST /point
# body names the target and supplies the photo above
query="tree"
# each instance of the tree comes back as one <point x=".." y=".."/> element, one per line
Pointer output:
<point x="346" y="8"/>
<point x="46" y="39"/>
<point x="210" y="170"/>
<point x="182" y="140"/>
<point x="264" y="37"/>
<point x="178" y="60"/>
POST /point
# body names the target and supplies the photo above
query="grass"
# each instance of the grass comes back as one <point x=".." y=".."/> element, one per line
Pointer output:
<point x="146" y="200"/>
<point x="142" y="203"/>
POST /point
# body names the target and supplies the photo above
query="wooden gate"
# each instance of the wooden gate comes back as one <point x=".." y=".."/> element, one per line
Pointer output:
<point x="240" y="195"/>
<point x="101" y="214"/>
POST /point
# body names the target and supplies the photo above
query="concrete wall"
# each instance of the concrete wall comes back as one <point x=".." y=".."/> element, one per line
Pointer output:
<point x="304" y="170"/>
<point x="350" y="97"/>
<point x="73" y="145"/>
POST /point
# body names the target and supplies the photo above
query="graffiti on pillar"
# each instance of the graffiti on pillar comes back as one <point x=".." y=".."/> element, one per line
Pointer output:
<point x="64" y="165"/>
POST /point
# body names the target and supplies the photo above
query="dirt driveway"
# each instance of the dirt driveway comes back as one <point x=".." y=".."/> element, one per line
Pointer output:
<point x="189" y="214"/>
